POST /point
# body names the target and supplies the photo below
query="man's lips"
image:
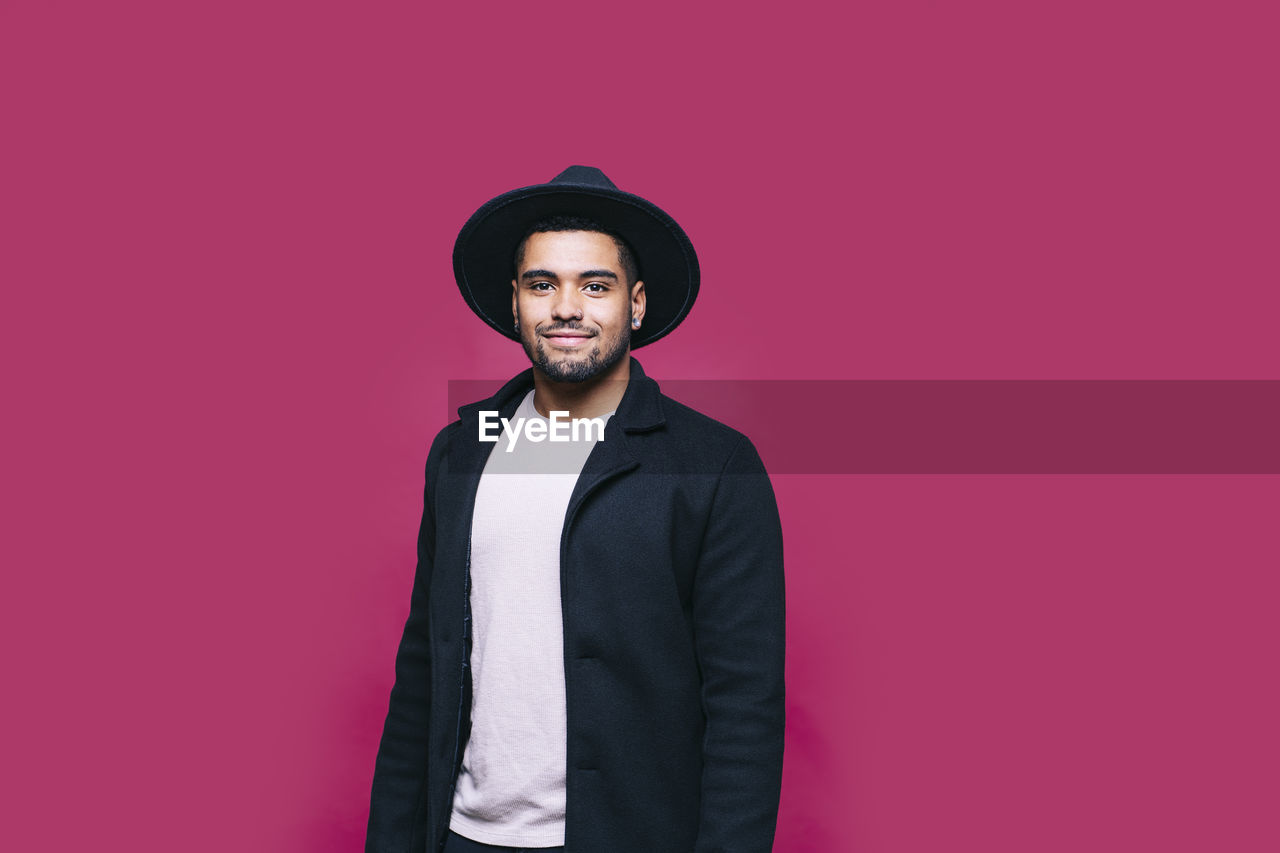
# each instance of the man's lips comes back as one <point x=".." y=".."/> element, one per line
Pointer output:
<point x="567" y="339"/>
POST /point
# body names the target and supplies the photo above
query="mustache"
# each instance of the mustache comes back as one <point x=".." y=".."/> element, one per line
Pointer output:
<point x="573" y="326"/>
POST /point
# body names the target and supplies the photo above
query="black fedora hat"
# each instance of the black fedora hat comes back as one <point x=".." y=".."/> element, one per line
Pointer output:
<point x="484" y="254"/>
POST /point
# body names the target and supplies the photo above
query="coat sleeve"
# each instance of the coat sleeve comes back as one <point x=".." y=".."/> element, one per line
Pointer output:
<point x="739" y="618"/>
<point x="397" y="808"/>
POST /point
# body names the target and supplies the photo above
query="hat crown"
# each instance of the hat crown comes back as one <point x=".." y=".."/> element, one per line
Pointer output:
<point x="584" y="176"/>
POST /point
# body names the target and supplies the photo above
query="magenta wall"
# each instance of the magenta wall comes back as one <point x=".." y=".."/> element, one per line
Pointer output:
<point x="229" y="320"/>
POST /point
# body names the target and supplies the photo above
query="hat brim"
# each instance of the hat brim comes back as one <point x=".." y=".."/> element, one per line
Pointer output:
<point x="484" y="253"/>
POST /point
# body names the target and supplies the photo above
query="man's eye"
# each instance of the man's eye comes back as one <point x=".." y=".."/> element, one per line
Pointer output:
<point x="541" y="285"/>
<point x="596" y="287"/>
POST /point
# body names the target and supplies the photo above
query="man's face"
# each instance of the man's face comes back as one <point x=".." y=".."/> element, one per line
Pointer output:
<point x="571" y="300"/>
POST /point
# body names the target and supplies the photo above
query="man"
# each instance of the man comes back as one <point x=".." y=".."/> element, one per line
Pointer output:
<point x="593" y="658"/>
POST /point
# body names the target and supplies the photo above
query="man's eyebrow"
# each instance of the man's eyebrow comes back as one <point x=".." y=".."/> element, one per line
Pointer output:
<point x="532" y="274"/>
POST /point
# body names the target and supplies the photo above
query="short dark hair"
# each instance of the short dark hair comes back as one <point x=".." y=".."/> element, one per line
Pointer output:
<point x="626" y="257"/>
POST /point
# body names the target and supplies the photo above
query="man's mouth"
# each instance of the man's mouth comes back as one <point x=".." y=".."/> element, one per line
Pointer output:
<point x="568" y="340"/>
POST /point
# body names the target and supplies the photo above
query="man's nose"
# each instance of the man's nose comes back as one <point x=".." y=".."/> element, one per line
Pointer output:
<point x="567" y="305"/>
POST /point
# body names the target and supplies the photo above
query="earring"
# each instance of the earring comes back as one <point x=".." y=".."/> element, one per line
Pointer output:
<point x="635" y="322"/>
<point x="517" y="325"/>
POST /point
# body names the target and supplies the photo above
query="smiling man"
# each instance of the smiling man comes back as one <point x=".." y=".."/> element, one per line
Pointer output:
<point x="593" y="658"/>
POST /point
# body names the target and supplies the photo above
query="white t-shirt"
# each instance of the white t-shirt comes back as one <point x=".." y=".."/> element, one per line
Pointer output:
<point x="511" y="789"/>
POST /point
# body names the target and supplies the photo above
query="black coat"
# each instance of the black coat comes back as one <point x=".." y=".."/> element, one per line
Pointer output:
<point x="672" y="596"/>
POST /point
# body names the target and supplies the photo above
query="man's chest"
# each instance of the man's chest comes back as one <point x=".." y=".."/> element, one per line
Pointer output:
<point x="517" y="522"/>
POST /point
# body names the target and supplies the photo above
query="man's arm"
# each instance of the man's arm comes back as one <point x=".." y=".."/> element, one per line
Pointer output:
<point x="397" y="810"/>
<point x="739" y="618"/>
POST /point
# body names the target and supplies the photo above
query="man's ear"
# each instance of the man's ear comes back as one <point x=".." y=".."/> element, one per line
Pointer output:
<point x="515" y="312"/>
<point x="637" y="300"/>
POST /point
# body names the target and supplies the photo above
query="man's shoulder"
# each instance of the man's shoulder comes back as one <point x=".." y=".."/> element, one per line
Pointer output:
<point x="703" y="439"/>
<point x="686" y="419"/>
<point x="440" y="444"/>
<point x="445" y="433"/>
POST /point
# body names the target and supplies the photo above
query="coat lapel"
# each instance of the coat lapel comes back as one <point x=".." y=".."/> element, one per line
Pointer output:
<point x="467" y="455"/>
<point x="639" y="411"/>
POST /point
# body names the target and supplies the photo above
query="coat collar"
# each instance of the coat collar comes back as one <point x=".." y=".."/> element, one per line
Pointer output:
<point x="639" y="411"/>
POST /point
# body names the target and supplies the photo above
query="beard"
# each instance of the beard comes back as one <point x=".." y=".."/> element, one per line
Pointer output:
<point x="603" y="356"/>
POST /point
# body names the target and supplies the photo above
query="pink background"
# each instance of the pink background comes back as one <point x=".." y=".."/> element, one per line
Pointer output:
<point x="229" y="320"/>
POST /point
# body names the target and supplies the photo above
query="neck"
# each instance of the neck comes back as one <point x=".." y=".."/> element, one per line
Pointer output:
<point x="591" y="399"/>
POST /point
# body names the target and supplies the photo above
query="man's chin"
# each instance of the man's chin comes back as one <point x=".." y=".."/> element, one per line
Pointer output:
<point x="569" y="369"/>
